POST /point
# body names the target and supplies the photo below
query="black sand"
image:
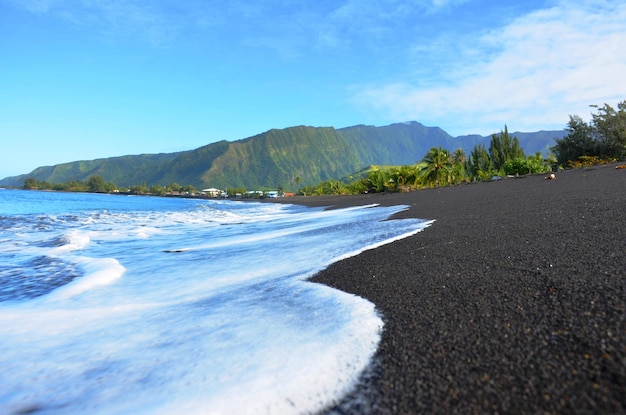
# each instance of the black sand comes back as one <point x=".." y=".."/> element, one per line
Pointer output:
<point x="513" y="301"/>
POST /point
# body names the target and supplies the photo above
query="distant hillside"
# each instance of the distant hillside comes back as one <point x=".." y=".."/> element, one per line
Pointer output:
<point x="125" y="169"/>
<point x="540" y="141"/>
<point x="289" y="157"/>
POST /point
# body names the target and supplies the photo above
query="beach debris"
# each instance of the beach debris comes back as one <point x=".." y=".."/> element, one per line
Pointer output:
<point x="551" y="176"/>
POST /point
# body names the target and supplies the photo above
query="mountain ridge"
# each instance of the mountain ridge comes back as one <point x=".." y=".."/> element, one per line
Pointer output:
<point x="288" y="157"/>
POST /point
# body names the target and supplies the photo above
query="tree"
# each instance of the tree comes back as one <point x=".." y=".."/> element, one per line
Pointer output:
<point x="479" y="163"/>
<point x="603" y="137"/>
<point x="458" y="156"/>
<point x="376" y="180"/>
<point x="610" y="127"/>
<point x="437" y="168"/>
<point x="357" y="187"/>
<point x="333" y="187"/>
<point x="139" y="189"/>
<point x="72" y="186"/>
<point x="503" y="147"/>
<point x="96" y="183"/>
<point x="157" y="190"/>
<point x="401" y="178"/>
<point x="579" y="141"/>
<point x="459" y="171"/>
<point x="30" y="183"/>
<point x="188" y="188"/>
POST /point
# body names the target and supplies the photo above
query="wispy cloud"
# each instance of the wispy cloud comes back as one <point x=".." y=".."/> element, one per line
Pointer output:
<point x="346" y="24"/>
<point x="285" y="26"/>
<point x="155" y="22"/>
<point x="530" y="74"/>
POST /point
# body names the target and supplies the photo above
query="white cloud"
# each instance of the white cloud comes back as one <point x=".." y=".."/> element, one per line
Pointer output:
<point x="287" y="27"/>
<point x="373" y="23"/>
<point x="530" y="74"/>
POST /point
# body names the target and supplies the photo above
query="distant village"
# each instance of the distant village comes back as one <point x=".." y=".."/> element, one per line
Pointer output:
<point x="252" y="194"/>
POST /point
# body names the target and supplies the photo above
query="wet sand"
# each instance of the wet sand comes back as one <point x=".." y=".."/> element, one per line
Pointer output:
<point x="513" y="301"/>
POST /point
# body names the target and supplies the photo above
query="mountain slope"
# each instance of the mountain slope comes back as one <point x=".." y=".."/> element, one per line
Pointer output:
<point x="404" y="143"/>
<point x="130" y="168"/>
<point x="288" y="157"/>
<point x="278" y="157"/>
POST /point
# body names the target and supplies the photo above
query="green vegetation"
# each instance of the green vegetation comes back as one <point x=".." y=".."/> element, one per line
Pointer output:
<point x="504" y="148"/>
<point x="309" y="160"/>
<point x="440" y="167"/>
<point x="290" y="158"/>
<point x="601" y="140"/>
<point x="94" y="184"/>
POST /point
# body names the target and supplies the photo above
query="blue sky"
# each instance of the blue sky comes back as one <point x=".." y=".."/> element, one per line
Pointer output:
<point x="86" y="79"/>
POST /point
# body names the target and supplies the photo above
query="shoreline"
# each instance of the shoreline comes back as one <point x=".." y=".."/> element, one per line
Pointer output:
<point x="513" y="301"/>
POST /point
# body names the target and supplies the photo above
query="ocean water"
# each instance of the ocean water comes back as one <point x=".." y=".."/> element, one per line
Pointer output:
<point x="116" y="304"/>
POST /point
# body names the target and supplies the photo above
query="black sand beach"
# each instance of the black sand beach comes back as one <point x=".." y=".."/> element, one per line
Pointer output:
<point x="513" y="301"/>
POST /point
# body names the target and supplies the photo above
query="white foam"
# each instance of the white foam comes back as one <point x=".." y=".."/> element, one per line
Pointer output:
<point x="98" y="273"/>
<point x="225" y="326"/>
<point x="76" y="240"/>
<point x="384" y="242"/>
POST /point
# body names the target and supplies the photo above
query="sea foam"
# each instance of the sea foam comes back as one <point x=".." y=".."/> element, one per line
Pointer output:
<point x="182" y="306"/>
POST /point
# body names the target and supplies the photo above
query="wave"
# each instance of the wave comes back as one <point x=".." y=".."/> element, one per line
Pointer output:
<point x="98" y="272"/>
<point x="226" y="323"/>
<point x="35" y="277"/>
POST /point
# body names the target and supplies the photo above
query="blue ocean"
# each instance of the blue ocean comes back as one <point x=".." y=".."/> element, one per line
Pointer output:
<point x="114" y="304"/>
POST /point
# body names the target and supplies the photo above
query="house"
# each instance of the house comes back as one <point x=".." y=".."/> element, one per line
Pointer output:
<point x="212" y="192"/>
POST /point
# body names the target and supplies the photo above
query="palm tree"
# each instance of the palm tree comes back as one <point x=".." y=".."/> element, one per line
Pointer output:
<point x="458" y="166"/>
<point x="376" y="180"/>
<point x="459" y="156"/>
<point x="438" y="167"/>
<point x="401" y="178"/>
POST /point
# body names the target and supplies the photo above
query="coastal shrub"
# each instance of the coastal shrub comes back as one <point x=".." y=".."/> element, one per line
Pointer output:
<point x="604" y="137"/>
<point x="485" y="176"/>
<point x="376" y="181"/>
<point x="517" y="166"/>
<point x="588" y="161"/>
<point x="357" y="187"/>
<point x="528" y="165"/>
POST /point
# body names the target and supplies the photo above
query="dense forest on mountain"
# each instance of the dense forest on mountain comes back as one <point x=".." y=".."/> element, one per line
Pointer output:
<point x="440" y="167"/>
<point x="288" y="158"/>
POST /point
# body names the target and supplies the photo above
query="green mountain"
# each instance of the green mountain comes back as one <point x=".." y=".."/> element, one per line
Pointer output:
<point x="289" y="157"/>
<point x="125" y="169"/>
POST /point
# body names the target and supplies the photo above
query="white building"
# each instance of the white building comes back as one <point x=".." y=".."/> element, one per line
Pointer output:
<point x="212" y="192"/>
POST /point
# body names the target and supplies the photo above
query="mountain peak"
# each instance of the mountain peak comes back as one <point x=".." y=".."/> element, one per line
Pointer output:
<point x="288" y="157"/>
